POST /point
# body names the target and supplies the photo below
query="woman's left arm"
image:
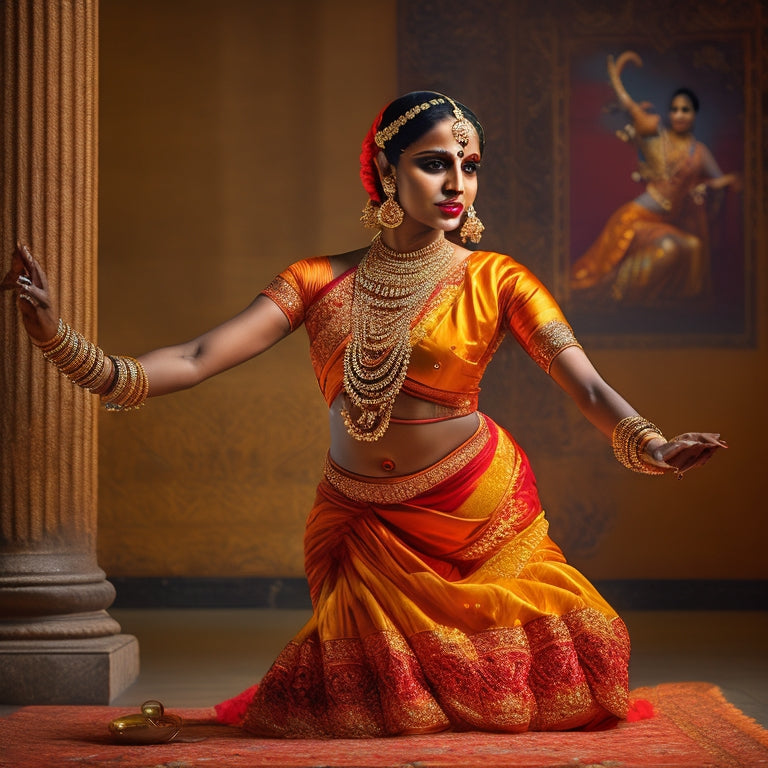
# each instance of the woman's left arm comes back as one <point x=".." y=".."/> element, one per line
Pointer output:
<point x="716" y="179"/>
<point x="606" y="408"/>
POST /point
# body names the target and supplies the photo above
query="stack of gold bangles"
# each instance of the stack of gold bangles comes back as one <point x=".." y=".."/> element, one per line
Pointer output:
<point x="630" y="438"/>
<point x="121" y="385"/>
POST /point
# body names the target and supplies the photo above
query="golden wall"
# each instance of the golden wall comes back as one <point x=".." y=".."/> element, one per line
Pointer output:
<point x="229" y="142"/>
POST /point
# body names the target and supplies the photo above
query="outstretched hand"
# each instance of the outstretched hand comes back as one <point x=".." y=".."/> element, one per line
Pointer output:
<point x="28" y="280"/>
<point x="686" y="451"/>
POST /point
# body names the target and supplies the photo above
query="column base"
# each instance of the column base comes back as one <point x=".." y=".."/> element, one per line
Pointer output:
<point x="83" y="671"/>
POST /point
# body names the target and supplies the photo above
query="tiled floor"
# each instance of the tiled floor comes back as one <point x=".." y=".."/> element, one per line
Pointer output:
<point x="198" y="657"/>
<point x="195" y="658"/>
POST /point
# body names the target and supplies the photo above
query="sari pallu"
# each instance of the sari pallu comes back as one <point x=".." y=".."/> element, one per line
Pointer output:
<point x="440" y="602"/>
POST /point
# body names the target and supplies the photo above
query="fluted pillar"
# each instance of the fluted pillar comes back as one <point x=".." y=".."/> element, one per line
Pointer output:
<point x="58" y="644"/>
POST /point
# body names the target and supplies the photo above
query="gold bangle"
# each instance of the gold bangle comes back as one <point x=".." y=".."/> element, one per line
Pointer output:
<point x="58" y="343"/>
<point x="71" y="364"/>
<point x="90" y="367"/>
<point x="104" y="379"/>
<point x="123" y="384"/>
<point x="643" y="442"/>
<point x="131" y="386"/>
<point x="120" y="379"/>
<point x="58" y="336"/>
<point x="629" y="437"/>
<point x="99" y="374"/>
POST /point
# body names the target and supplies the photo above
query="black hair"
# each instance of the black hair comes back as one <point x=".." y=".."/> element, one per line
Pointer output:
<point x="689" y="94"/>
<point x="422" y="122"/>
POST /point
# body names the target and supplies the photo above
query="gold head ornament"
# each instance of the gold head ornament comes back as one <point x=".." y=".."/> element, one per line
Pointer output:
<point x="461" y="129"/>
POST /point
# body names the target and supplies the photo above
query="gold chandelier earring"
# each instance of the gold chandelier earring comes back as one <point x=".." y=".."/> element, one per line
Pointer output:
<point x="390" y="213"/>
<point x="370" y="215"/>
<point x="472" y="228"/>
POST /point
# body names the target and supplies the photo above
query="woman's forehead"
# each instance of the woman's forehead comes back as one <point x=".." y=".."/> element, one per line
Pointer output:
<point x="440" y="136"/>
<point x="681" y="98"/>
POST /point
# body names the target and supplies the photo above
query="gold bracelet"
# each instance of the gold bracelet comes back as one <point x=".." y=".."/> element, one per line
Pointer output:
<point x="121" y="385"/>
<point x="58" y="343"/>
<point x="58" y="337"/>
<point x="88" y="368"/>
<point x="99" y="374"/>
<point x="630" y="436"/>
<point x="641" y="446"/>
<point x="71" y="365"/>
<point x="131" y="386"/>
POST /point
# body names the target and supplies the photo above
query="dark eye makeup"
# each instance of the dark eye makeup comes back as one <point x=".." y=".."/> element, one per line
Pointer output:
<point x="436" y="164"/>
<point x="432" y="164"/>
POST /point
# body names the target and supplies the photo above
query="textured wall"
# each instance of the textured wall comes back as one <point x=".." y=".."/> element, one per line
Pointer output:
<point x="230" y="135"/>
<point x="512" y="60"/>
<point x="219" y="168"/>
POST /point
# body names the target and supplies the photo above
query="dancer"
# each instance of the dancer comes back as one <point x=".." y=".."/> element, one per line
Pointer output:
<point x="439" y="600"/>
<point x="654" y="250"/>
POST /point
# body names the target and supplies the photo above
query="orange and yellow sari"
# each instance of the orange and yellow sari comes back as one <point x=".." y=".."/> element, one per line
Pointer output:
<point x="647" y="256"/>
<point x="440" y="602"/>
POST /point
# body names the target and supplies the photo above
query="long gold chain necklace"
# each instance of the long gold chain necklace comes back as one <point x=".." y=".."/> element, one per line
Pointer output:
<point x="389" y="290"/>
<point x="675" y="152"/>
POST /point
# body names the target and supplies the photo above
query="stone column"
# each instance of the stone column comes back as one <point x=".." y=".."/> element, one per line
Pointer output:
<point x="58" y="644"/>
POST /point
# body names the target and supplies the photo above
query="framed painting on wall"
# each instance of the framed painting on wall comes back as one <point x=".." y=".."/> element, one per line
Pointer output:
<point x="650" y="252"/>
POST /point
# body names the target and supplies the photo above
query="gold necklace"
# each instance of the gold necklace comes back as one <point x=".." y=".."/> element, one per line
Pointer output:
<point x="390" y="288"/>
<point x="676" y="151"/>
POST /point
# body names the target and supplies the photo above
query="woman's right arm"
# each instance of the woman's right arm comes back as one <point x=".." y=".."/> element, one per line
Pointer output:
<point x="168" y="369"/>
<point x="645" y="123"/>
<point x="244" y="336"/>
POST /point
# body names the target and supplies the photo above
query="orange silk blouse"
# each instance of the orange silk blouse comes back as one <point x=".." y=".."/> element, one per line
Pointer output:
<point x="453" y="338"/>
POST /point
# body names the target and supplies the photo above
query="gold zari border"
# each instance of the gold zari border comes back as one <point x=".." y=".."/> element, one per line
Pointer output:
<point x="553" y="337"/>
<point x="287" y="298"/>
<point x="398" y="489"/>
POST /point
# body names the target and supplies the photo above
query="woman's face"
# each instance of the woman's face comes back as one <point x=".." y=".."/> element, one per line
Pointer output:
<point x="437" y="178"/>
<point x="681" y="114"/>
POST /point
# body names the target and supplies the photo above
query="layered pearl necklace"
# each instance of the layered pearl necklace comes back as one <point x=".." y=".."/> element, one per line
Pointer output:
<point x="390" y="288"/>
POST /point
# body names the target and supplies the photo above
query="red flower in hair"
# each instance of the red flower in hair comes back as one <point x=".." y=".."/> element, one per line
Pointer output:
<point x="369" y="174"/>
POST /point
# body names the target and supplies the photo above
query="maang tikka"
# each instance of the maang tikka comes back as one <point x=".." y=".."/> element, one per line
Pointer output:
<point x="389" y="214"/>
<point x="462" y="128"/>
<point x="472" y="228"/>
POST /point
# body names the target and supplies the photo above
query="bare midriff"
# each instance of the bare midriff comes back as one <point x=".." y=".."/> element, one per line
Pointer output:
<point x="405" y="447"/>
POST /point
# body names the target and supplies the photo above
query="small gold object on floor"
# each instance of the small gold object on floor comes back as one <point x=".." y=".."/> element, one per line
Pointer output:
<point x="152" y="726"/>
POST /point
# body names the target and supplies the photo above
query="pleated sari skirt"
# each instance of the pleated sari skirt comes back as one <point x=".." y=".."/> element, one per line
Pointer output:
<point x="441" y="603"/>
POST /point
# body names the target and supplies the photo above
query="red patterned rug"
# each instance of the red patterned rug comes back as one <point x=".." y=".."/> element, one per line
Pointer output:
<point x="694" y="727"/>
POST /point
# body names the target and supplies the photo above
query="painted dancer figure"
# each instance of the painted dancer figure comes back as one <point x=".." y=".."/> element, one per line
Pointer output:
<point x="440" y="601"/>
<point x="654" y="250"/>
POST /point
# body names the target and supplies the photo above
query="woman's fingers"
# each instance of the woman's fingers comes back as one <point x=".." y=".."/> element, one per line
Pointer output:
<point x="24" y="268"/>
<point x="10" y="280"/>
<point x="33" y="267"/>
<point x="692" y="449"/>
<point x="701" y="437"/>
<point x="694" y="457"/>
<point x="28" y="279"/>
<point x="34" y="295"/>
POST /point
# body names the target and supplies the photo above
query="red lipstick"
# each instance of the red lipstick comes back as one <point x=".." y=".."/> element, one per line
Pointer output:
<point x="451" y="208"/>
